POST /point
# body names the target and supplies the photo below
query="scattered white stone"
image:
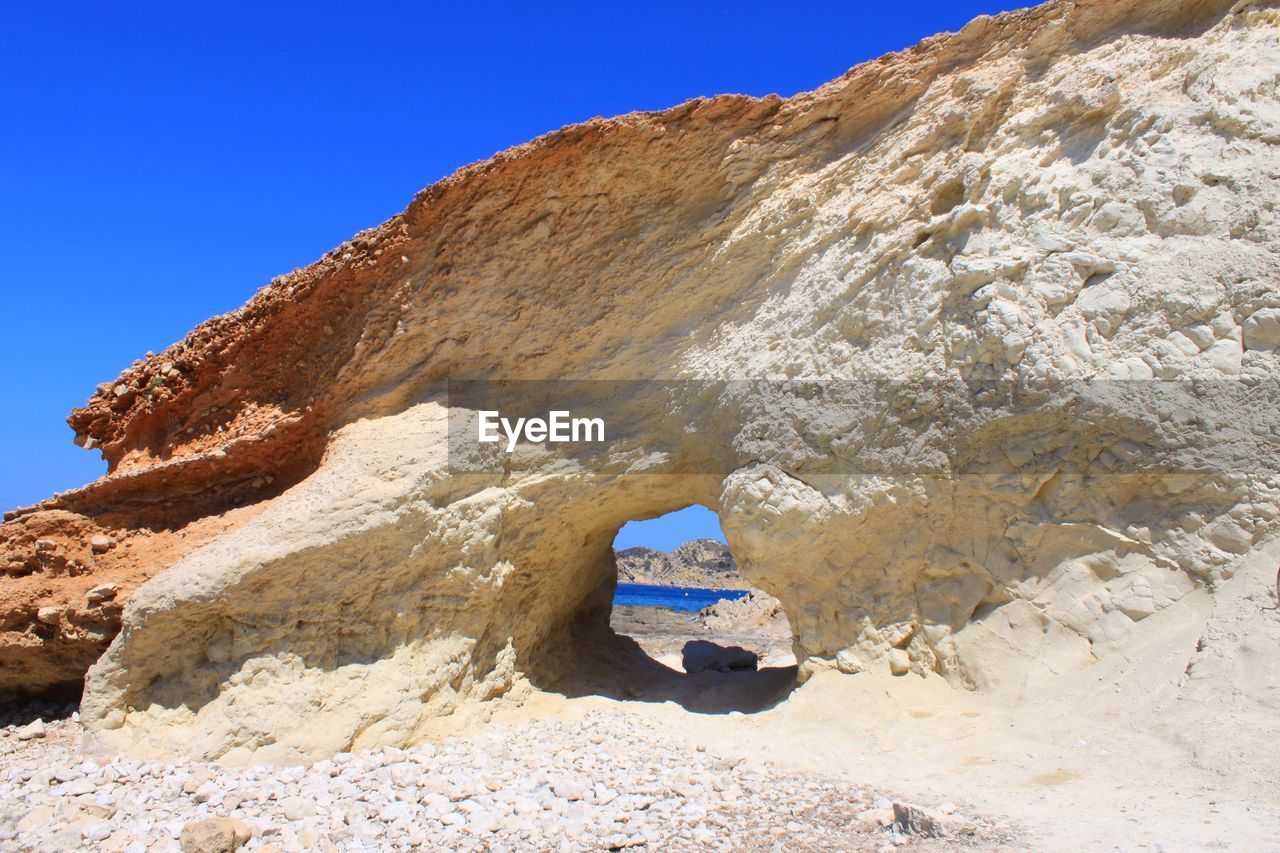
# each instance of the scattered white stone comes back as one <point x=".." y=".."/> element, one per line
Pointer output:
<point x="296" y="808"/>
<point x="568" y="790"/>
<point x="101" y="593"/>
<point x="32" y="730"/>
<point x="606" y="782"/>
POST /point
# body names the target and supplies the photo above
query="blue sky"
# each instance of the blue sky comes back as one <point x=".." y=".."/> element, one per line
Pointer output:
<point x="161" y="162"/>
<point x="668" y="532"/>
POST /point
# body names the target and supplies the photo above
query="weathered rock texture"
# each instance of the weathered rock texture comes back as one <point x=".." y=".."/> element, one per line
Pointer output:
<point x="755" y="614"/>
<point x="68" y="575"/>
<point x="1076" y="191"/>
<point x="701" y="563"/>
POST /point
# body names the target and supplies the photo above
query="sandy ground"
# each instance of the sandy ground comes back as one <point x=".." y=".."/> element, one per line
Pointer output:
<point x="1074" y="769"/>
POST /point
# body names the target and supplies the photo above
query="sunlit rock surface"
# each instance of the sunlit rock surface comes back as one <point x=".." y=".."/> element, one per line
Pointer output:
<point x="1007" y="303"/>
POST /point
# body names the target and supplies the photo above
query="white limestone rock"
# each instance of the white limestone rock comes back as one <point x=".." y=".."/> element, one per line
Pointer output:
<point x="1010" y="400"/>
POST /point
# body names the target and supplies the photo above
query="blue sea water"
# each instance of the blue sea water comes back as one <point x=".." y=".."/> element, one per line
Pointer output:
<point x="686" y="599"/>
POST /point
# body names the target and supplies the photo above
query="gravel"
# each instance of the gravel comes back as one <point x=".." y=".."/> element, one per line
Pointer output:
<point x="609" y="781"/>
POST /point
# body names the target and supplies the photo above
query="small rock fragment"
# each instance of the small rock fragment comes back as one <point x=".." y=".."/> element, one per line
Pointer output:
<point x="568" y="790"/>
<point x="49" y="614"/>
<point x="296" y="808"/>
<point x="899" y="662"/>
<point x="848" y="661"/>
<point x="913" y="820"/>
<point x="198" y="777"/>
<point x="102" y="592"/>
<point x="214" y="835"/>
<point x="36" y="818"/>
<point x="1262" y="329"/>
<point x="32" y="730"/>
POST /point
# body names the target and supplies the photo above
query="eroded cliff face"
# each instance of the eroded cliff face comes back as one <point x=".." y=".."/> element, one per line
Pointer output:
<point x="1008" y="303"/>
<point x="702" y="562"/>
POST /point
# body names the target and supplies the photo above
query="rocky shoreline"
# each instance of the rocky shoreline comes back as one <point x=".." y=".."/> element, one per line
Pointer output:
<point x="662" y="633"/>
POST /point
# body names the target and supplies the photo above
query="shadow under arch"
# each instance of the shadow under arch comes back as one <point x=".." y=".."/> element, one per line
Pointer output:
<point x="621" y="669"/>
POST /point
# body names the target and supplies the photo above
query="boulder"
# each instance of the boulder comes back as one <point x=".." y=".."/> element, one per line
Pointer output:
<point x="910" y="819"/>
<point x="1262" y="329"/>
<point x="702" y="655"/>
<point x="755" y="614"/>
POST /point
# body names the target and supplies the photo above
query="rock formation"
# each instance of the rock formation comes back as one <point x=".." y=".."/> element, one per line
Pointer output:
<point x="701" y="563"/>
<point x="972" y="349"/>
<point x="755" y="614"/>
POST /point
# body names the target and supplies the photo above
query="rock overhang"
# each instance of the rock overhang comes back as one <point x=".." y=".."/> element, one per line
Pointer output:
<point x="1035" y="200"/>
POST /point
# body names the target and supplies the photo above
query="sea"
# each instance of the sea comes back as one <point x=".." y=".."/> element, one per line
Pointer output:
<point x="686" y="599"/>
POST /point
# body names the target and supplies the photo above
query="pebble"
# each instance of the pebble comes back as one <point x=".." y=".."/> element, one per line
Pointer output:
<point x="102" y="592"/>
<point x="34" y="729"/>
<point x="296" y="808"/>
<point x="49" y="614"/>
<point x="214" y="835"/>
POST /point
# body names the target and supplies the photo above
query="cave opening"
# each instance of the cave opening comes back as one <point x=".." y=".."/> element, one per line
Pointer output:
<point x="686" y="626"/>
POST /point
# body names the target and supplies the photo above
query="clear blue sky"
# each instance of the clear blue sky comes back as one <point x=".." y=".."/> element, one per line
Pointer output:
<point x="670" y="531"/>
<point x="160" y="162"/>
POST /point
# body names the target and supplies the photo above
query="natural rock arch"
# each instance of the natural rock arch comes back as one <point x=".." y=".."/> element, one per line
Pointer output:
<point x="422" y="592"/>
<point x="912" y="266"/>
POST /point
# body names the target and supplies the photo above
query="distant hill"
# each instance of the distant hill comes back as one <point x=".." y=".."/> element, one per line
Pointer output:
<point x="701" y="563"/>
